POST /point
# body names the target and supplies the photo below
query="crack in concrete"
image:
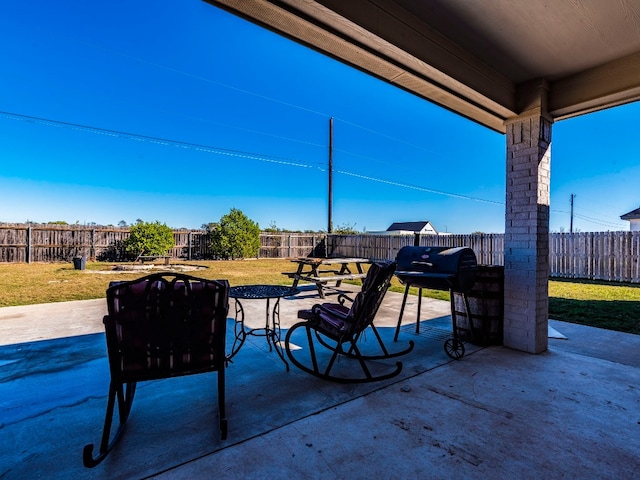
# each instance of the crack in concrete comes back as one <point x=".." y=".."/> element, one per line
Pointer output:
<point x="466" y="401"/>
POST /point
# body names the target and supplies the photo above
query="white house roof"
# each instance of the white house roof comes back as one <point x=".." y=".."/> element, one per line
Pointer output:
<point x="409" y="226"/>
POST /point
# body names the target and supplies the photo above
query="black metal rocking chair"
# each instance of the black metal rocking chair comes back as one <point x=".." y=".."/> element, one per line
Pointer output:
<point x="335" y="325"/>
<point x="161" y="326"/>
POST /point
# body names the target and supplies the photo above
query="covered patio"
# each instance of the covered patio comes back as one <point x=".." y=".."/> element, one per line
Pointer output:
<point x="570" y="412"/>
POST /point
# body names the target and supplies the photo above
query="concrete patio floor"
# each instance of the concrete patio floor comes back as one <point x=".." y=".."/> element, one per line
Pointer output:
<point x="572" y="412"/>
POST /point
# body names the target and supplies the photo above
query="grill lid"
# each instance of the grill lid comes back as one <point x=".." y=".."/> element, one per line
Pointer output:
<point x="439" y="268"/>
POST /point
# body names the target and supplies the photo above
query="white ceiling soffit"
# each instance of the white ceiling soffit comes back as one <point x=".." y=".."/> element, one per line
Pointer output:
<point x="478" y="58"/>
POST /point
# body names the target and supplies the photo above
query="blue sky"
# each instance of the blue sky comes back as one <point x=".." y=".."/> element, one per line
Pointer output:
<point x="179" y="111"/>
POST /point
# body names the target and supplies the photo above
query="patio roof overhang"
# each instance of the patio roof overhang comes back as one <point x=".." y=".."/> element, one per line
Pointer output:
<point x="483" y="59"/>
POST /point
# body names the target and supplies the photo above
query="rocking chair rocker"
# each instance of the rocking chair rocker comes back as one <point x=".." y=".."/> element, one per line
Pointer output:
<point x="161" y="326"/>
<point x="335" y="325"/>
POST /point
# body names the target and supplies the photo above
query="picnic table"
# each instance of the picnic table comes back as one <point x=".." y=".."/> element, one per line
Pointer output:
<point x="324" y="270"/>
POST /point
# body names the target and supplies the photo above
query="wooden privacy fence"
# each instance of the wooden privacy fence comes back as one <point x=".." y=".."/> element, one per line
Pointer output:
<point x="609" y="256"/>
<point x="489" y="248"/>
<point x="291" y="245"/>
<point x="57" y="243"/>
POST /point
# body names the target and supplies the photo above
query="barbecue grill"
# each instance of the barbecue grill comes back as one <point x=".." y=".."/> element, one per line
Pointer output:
<point x="438" y="268"/>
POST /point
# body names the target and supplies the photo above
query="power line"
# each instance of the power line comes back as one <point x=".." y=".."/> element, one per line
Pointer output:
<point x="194" y="76"/>
<point x="613" y="223"/>
<point x="586" y="217"/>
<point x="598" y="222"/>
<point x="226" y="152"/>
<point x="157" y="140"/>
<point x="248" y="92"/>
<point x="419" y="188"/>
<point x="260" y="157"/>
<point x="255" y="94"/>
<point x="389" y="137"/>
<point x="251" y="93"/>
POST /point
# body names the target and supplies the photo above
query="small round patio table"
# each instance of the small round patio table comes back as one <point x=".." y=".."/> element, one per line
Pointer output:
<point x="271" y="329"/>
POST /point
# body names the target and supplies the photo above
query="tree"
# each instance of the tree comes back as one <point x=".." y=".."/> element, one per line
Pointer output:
<point x="272" y="228"/>
<point x="149" y="238"/>
<point x="235" y="236"/>
<point x="346" y="229"/>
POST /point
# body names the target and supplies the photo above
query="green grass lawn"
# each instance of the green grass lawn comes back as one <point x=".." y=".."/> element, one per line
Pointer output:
<point x="614" y="306"/>
<point x="606" y="305"/>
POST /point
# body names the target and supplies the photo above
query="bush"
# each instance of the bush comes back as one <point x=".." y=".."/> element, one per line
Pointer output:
<point x="149" y="239"/>
<point x="235" y="236"/>
<point x="346" y="229"/>
<point x="113" y="253"/>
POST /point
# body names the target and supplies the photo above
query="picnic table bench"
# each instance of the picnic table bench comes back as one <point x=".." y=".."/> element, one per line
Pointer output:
<point x="310" y="270"/>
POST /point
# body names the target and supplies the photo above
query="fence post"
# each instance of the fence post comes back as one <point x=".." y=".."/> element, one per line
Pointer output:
<point x="28" y="252"/>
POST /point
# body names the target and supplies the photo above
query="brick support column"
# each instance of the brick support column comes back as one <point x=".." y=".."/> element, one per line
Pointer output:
<point x="526" y="256"/>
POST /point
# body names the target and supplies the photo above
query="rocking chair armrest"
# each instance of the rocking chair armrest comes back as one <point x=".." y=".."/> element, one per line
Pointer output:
<point x="318" y="308"/>
<point x="342" y="298"/>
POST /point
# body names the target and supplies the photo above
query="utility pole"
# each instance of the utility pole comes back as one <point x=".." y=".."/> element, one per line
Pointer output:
<point x="330" y="194"/>
<point x="573" y="195"/>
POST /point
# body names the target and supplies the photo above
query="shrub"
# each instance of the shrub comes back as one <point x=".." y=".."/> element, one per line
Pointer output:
<point x="235" y="236"/>
<point x="113" y="253"/>
<point x="149" y="239"/>
<point x="346" y="229"/>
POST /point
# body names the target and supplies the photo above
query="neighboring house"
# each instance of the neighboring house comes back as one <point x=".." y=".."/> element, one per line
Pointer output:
<point x="634" y="218"/>
<point x="409" y="228"/>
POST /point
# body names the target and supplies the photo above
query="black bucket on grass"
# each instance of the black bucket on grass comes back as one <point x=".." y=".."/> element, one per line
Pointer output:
<point x="79" y="263"/>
